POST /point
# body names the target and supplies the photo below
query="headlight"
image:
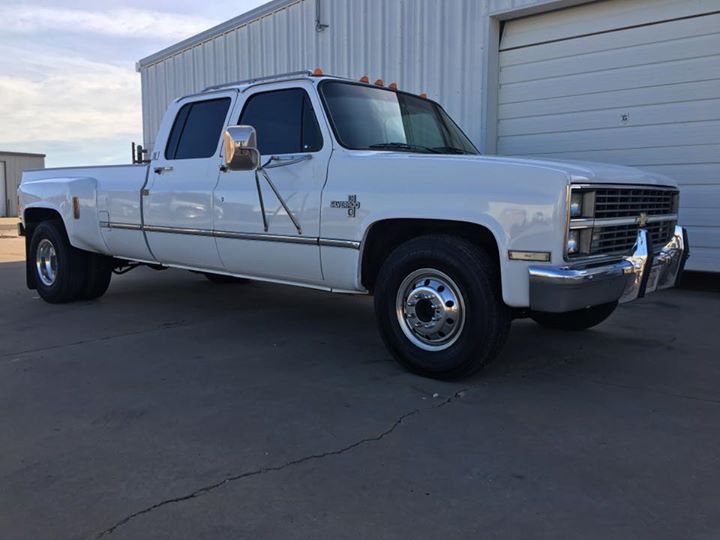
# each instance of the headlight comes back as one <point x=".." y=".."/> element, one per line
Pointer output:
<point x="573" y="243"/>
<point x="576" y="204"/>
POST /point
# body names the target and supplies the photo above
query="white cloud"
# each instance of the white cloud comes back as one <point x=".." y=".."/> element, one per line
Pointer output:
<point x="67" y="99"/>
<point x="122" y="22"/>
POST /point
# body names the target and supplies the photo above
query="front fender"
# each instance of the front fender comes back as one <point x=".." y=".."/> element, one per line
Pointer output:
<point x="521" y="205"/>
<point x="58" y="194"/>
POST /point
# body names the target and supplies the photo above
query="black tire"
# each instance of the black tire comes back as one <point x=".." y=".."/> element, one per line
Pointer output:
<point x="460" y="265"/>
<point x="222" y="279"/>
<point x="70" y="267"/>
<point x="573" y="321"/>
<point x="99" y="272"/>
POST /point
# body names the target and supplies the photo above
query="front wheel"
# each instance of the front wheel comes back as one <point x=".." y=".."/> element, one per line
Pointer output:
<point x="439" y="306"/>
<point x="574" y="321"/>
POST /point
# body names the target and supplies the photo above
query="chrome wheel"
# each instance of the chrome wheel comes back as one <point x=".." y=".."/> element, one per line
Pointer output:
<point x="430" y="309"/>
<point x="46" y="262"/>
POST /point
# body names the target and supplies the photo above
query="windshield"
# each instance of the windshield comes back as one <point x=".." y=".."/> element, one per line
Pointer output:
<point x="368" y="118"/>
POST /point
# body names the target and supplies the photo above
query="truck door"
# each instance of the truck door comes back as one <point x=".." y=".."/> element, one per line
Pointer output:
<point x="296" y="147"/>
<point x="178" y="202"/>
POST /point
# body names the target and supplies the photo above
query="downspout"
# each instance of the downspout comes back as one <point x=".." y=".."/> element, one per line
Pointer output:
<point x="319" y="26"/>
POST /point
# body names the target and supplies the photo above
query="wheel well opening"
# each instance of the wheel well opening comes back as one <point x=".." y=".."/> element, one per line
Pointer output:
<point x="35" y="216"/>
<point x="384" y="236"/>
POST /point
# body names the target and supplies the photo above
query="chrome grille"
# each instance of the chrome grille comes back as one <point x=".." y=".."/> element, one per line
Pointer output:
<point x="605" y="219"/>
<point x="629" y="202"/>
<point x="621" y="238"/>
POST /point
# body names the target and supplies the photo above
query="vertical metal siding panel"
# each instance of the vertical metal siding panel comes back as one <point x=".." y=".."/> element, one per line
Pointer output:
<point x="147" y="124"/>
<point x="156" y="97"/>
<point x="293" y="43"/>
<point x="218" y="54"/>
<point x="231" y="56"/>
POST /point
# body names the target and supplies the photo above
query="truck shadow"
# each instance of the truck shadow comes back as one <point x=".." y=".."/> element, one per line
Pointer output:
<point x="322" y="328"/>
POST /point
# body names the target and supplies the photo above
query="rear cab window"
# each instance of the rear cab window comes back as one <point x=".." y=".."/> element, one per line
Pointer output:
<point x="197" y="128"/>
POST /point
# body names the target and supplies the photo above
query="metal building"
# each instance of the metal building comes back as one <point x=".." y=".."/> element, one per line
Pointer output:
<point x="12" y="165"/>
<point x="634" y="82"/>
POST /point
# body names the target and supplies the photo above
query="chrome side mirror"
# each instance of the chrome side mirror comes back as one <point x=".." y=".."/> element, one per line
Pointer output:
<point x="240" y="151"/>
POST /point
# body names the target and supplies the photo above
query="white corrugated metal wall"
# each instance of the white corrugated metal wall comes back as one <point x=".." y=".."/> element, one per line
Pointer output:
<point x="434" y="46"/>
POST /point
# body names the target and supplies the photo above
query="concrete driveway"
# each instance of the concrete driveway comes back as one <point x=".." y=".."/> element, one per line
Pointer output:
<point x="174" y="408"/>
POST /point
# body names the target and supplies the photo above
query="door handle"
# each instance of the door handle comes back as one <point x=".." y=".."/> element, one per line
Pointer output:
<point x="282" y="161"/>
<point x="160" y="170"/>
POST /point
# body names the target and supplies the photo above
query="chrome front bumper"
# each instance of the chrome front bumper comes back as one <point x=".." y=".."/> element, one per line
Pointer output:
<point x="568" y="288"/>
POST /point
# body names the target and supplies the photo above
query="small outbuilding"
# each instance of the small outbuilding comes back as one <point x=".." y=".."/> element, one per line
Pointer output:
<point x="12" y="165"/>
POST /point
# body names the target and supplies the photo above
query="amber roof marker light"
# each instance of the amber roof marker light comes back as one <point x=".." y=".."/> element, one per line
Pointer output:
<point x="365" y="79"/>
<point x="317" y="72"/>
<point x="379" y="82"/>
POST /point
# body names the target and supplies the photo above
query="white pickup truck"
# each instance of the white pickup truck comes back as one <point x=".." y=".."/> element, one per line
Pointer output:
<point x="352" y="187"/>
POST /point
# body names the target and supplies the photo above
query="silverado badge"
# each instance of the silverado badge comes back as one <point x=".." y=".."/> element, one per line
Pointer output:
<point x="352" y="204"/>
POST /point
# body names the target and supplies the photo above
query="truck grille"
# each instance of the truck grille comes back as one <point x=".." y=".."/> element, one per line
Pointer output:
<point x="629" y="202"/>
<point x="621" y="238"/>
<point x="604" y="219"/>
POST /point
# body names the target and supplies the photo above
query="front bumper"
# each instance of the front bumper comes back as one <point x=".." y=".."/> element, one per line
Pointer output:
<point x="561" y="289"/>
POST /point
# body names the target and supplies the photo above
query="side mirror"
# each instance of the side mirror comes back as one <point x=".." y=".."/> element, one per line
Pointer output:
<point x="240" y="151"/>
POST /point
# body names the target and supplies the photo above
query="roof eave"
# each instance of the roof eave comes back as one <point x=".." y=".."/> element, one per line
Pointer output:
<point x="222" y="28"/>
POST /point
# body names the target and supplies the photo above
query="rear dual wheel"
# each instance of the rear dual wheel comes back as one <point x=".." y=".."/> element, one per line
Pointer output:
<point x="64" y="273"/>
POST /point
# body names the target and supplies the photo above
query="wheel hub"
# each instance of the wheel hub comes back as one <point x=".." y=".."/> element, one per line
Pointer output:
<point x="430" y="309"/>
<point x="46" y="262"/>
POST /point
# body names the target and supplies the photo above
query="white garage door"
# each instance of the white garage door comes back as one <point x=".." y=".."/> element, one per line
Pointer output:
<point x="634" y="82"/>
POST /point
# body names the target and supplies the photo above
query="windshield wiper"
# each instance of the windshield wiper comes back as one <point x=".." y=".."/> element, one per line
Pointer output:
<point x="403" y="147"/>
<point x="449" y="150"/>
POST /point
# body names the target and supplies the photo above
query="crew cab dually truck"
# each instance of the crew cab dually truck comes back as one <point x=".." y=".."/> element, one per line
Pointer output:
<point x="353" y="187"/>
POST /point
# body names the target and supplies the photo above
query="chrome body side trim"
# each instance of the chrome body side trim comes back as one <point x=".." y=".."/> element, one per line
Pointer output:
<point x="260" y="237"/>
<point x="332" y="242"/>
<point x="126" y="226"/>
<point x="265" y="237"/>
<point x="559" y="289"/>
<point x="177" y="230"/>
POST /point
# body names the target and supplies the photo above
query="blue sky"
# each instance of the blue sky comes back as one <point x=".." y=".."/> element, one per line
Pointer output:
<point x="68" y="86"/>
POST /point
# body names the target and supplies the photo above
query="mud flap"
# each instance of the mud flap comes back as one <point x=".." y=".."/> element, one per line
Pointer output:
<point x="29" y="267"/>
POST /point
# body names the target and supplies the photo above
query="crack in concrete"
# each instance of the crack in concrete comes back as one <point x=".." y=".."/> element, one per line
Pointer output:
<point x="100" y="339"/>
<point x="264" y="470"/>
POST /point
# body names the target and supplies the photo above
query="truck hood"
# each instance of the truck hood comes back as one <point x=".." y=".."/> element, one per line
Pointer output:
<point x="587" y="171"/>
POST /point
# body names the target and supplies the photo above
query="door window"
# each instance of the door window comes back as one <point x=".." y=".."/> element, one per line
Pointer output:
<point x="196" y="131"/>
<point x="284" y="120"/>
